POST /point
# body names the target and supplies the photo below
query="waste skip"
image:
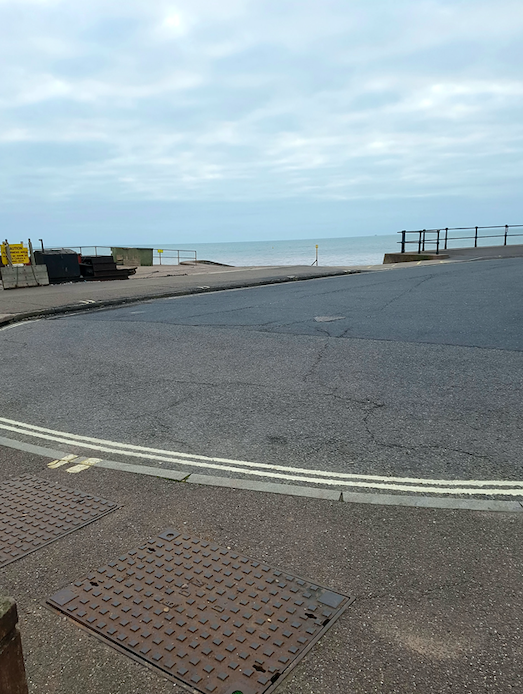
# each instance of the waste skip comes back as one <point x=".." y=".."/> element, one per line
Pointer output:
<point x="62" y="264"/>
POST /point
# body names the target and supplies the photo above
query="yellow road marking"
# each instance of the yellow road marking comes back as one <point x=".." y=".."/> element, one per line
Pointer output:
<point x="327" y="477"/>
<point x="85" y="464"/>
<point x="62" y="461"/>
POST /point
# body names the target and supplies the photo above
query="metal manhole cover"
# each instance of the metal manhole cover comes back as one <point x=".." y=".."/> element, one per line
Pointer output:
<point x="207" y="617"/>
<point x="34" y="512"/>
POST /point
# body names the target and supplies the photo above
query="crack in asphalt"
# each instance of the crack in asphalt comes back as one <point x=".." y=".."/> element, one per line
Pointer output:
<point x="422" y="446"/>
<point x="317" y="361"/>
<point x="365" y="338"/>
<point x="409" y="290"/>
<point x="18" y="343"/>
<point x="347" y="398"/>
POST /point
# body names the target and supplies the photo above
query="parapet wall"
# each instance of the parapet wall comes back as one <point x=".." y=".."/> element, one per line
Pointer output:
<point x="482" y="252"/>
<point x="132" y="256"/>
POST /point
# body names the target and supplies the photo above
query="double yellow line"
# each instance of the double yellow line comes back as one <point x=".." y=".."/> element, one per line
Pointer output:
<point x="329" y="478"/>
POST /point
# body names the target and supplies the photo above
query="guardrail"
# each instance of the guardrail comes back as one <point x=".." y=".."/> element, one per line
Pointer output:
<point x="439" y="239"/>
<point x="171" y="254"/>
<point x="87" y="250"/>
<point x="177" y="254"/>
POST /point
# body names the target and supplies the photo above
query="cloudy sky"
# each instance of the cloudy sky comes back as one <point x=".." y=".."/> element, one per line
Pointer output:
<point x="207" y="120"/>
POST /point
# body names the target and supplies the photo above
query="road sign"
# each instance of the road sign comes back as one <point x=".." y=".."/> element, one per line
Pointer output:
<point x="19" y="254"/>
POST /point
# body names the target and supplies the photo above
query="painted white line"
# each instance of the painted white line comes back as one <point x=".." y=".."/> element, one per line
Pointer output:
<point x="169" y="455"/>
<point x="475" y="487"/>
<point x="18" y="325"/>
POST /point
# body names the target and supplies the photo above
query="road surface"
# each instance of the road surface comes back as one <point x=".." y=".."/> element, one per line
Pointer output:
<point x="404" y="382"/>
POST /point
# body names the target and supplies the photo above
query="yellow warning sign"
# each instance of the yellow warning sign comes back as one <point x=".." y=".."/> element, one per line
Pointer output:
<point x="19" y="254"/>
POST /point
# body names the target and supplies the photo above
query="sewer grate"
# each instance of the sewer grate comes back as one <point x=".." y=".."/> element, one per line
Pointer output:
<point x="34" y="512"/>
<point x="209" y="618"/>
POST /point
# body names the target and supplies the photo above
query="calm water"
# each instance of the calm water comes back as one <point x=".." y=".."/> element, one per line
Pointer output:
<point x="353" y="250"/>
<point x="356" y="250"/>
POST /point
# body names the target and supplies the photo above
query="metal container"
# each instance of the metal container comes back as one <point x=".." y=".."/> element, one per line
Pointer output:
<point x="62" y="265"/>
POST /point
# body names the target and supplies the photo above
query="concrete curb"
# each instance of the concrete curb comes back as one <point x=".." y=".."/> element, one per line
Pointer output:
<point x="181" y="291"/>
<point x="338" y="495"/>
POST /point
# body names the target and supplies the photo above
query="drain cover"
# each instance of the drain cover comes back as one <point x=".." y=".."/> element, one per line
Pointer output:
<point x="209" y="618"/>
<point x="34" y="512"/>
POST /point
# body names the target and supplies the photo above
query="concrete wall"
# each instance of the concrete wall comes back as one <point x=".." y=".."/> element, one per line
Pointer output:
<point x="25" y="276"/>
<point x="511" y="251"/>
<point x="390" y="258"/>
<point x="485" y="252"/>
<point x="133" y="256"/>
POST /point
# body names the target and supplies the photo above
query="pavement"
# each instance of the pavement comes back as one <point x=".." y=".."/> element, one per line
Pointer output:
<point x="438" y="592"/>
<point x="393" y="381"/>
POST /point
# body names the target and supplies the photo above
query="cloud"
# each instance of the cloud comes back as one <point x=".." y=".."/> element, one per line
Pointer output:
<point x="259" y="100"/>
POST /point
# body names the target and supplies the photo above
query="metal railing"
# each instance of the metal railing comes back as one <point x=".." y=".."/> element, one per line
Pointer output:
<point x="438" y="239"/>
<point x="169" y="254"/>
<point x="89" y="250"/>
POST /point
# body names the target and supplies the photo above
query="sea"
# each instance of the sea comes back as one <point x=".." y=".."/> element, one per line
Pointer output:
<point x="353" y="250"/>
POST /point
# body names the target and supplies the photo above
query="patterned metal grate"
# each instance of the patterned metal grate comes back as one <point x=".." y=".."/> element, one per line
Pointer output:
<point x="34" y="512"/>
<point x="211" y="619"/>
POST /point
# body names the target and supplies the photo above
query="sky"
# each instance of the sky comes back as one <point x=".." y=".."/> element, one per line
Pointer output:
<point x="151" y="121"/>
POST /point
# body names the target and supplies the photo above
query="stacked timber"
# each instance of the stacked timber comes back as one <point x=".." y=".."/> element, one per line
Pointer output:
<point x="103" y="267"/>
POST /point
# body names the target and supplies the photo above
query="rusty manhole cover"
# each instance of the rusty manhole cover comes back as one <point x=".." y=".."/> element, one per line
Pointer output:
<point x="34" y="512"/>
<point x="207" y="617"/>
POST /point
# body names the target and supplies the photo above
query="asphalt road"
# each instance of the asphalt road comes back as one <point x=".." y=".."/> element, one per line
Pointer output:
<point x="415" y="373"/>
<point x="419" y="374"/>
